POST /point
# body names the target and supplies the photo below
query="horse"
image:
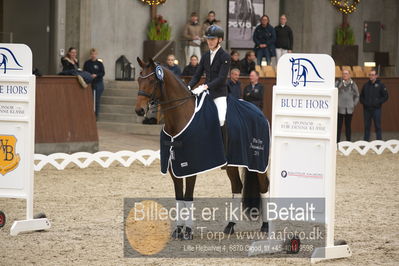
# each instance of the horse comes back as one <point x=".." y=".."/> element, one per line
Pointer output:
<point x="178" y="104"/>
<point x="244" y="10"/>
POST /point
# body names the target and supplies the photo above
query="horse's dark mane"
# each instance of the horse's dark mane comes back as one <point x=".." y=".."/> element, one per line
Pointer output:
<point x="176" y="78"/>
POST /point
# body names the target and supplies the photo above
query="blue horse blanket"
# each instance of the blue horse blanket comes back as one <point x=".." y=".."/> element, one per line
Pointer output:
<point x="199" y="147"/>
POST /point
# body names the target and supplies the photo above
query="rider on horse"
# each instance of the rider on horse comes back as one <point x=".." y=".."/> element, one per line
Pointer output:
<point x="216" y="64"/>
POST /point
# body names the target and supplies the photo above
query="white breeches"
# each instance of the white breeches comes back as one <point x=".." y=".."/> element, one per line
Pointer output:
<point x="280" y="52"/>
<point x="221" y="105"/>
<point x="192" y="50"/>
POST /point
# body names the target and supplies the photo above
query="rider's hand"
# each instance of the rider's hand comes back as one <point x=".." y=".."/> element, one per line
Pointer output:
<point x="200" y="89"/>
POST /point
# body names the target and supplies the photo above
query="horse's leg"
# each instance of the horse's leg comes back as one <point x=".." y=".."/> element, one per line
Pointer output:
<point x="188" y="202"/>
<point x="236" y="189"/>
<point x="264" y="195"/>
<point x="178" y="185"/>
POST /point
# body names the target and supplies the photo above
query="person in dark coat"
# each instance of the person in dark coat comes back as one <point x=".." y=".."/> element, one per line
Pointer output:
<point x="170" y="64"/>
<point x="215" y="64"/>
<point x="233" y="84"/>
<point x="373" y="95"/>
<point x="253" y="93"/>
<point x="235" y="59"/>
<point x="191" y="68"/>
<point x="247" y="64"/>
<point x="284" y="38"/>
<point x="70" y="67"/>
<point x="264" y="38"/>
<point x="95" y="67"/>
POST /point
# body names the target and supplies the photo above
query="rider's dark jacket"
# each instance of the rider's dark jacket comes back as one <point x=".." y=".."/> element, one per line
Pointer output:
<point x="215" y="74"/>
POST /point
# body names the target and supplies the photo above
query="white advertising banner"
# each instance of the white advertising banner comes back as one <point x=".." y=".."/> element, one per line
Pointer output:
<point x="17" y="128"/>
<point x="304" y="130"/>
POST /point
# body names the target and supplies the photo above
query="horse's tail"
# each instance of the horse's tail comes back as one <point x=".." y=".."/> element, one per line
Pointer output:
<point x="251" y="197"/>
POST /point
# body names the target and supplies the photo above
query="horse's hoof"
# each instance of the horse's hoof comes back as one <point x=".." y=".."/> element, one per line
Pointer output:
<point x="265" y="227"/>
<point x="229" y="229"/>
<point x="178" y="233"/>
<point x="188" y="234"/>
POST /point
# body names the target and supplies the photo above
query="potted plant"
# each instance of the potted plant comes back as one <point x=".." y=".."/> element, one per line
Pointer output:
<point x="158" y="45"/>
<point x="344" y="51"/>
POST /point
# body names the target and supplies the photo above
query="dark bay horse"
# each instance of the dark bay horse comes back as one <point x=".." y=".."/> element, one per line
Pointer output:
<point x="178" y="104"/>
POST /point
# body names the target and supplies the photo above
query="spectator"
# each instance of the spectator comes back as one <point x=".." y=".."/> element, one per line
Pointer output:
<point x="247" y="64"/>
<point x="373" y="95"/>
<point x="265" y="39"/>
<point x="96" y="68"/>
<point x="190" y="69"/>
<point x="193" y="33"/>
<point x="70" y="67"/>
<point x="235" y="59"/>
<point x="170" y="64"/>
<point x="348" y="97"/>
<point x="254" y="91"/>
<point x="233" y="84"/>
<point x="210" y="20"/>
<point x="284" y="38"/>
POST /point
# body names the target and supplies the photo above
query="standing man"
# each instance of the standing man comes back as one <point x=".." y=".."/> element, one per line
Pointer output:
<point x="96" y="68"/>
<point x="210" y="20"/>
<point x="233" y="84"/>
<point x="348" y="97"/>
<point x="193" y="34"/>
<point x="373" y="95"/>
<point x="284" y="38"/>
<point x="253" y="93"/>
<point x="264" y="38"/>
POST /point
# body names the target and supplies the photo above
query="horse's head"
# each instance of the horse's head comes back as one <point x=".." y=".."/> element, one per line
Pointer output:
<point x="149" y="86"/>
<point x="295" y="75"/>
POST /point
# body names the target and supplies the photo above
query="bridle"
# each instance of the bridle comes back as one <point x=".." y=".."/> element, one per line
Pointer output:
<point x="154" y="100"/>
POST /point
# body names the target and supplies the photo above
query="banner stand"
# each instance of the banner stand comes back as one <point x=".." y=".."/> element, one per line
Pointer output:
<point x="303" y="152"/>
<point x="17" y="132"/>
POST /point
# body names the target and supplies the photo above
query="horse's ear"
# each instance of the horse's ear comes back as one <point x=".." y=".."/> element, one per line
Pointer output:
<point x="141" y="63"/>
<point x="152" y="63"/>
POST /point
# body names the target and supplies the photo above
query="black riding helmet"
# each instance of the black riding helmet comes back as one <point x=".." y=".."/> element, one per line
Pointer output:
<point x="214" y="31"/>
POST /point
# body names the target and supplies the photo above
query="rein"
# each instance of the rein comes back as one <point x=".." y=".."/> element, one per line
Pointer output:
<point x="156" y="101"/>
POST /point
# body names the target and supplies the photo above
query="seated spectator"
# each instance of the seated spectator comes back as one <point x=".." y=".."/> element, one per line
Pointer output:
<point x="70" y="67"/>
<point x="248" y="63"/>
<point x="170" y="64"/>
<point x="96" y="68"/>
<point x="190" y="69"/>
<point x="348" y="97"/>
<point x="235" y="59"/>
<point x="233" y="84"/>
<point x="264" y="38"/>
<point x="254" y="91"/>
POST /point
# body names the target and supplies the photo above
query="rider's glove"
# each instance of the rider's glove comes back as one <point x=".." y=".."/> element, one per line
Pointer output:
<point x="199" y="89"/>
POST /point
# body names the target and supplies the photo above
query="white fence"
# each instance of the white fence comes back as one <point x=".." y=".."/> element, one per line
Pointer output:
<point x="105" y="158"/>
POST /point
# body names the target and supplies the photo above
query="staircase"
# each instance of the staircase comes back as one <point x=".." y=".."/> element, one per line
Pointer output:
<point x="117" y="110"/>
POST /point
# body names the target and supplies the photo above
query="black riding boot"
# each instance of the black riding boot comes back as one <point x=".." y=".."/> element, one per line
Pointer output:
<point x="225" y="140"/>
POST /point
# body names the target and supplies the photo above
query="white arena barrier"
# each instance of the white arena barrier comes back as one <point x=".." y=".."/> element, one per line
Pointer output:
<point x="103" y="158"/>
<point x="126" y="158"/>
<point x="363" y="147"/>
